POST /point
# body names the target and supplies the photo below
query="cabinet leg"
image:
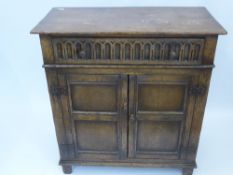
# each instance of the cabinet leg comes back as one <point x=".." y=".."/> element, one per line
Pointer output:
<point x="67" y="169"/>
<point x="187" y="171"/>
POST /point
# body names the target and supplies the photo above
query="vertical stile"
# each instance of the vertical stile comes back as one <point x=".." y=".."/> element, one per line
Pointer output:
<point x="181" y="52"/>
<point x="162" y="51"/>
<point x="122" y="46"/>
<point x="151" y="52"/>
<point x="141" y="51"/>
<point x="191" y="52"/>
<point x="92" y="50"/>
<point x="102" y="50"/>
<point x="112" y="50"/>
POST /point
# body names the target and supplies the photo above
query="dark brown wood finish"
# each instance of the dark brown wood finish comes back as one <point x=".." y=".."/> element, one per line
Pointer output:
<point x="129" y="21"/>
<point x="128" y="86"/>
<point x="138" y="50"/>
<point x="159" y="105"/>
<point x="97" y="106"/>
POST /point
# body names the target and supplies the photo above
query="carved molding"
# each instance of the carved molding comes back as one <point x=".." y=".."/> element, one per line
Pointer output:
<point x="165" y="50"/>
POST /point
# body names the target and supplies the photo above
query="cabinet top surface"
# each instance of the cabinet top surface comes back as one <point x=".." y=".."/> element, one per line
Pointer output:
<point x="129" y="21"/>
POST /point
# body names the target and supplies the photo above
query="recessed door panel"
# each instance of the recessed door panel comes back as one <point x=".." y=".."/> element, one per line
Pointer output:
<point x="94" y="97"/>
<point x="158" y="111"/>
<point x="161" y="97"/>
<point x="157" y="136"/>
<point x="96" y="136"/>
<point x="98" y="105"/>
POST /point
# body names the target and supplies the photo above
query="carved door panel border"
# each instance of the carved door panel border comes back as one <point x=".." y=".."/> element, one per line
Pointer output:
<point x="176" y="119"/>
<point x="117" y="119"/>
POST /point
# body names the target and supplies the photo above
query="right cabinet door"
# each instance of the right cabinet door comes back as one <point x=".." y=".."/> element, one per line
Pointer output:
<point x="160" y="112"/>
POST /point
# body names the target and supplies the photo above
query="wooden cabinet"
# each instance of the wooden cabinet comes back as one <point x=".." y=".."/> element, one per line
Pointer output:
<point x="128" y="91"/>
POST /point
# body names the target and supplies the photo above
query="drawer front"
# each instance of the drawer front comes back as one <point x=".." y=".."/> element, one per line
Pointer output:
<point x="128" y="50"/>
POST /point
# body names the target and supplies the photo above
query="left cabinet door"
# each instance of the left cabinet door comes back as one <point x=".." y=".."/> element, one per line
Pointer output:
<point x="97" y="107"/>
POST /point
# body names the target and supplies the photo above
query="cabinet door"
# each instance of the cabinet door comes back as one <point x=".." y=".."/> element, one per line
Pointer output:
<point x="159" y="109"/>
<point x="97" y="107"/>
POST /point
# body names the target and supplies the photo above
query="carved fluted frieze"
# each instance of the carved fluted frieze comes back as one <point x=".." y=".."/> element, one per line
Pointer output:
<point x="165" y="50"/>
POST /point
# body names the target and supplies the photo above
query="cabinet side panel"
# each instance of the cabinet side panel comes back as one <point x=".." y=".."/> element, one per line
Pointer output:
<point x="67" y="121"/>
<point x="56" y="109"/>
<point x="60" y="117"/>
<point x="198" y="115"/>
<point x="63" y="137"/>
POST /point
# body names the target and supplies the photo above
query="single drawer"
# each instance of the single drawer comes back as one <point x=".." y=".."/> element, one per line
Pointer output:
<point x="128" y="50"/>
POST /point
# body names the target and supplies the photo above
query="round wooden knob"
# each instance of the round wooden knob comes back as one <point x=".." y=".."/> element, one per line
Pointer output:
<point x="173" y="55"/>
<point x="82" y="54"/>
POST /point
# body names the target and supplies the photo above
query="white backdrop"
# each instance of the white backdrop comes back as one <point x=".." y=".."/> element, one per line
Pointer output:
<point x="28" y="143"/>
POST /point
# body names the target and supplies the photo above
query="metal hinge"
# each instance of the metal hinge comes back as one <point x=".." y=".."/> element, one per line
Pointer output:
<point x="58" y="91"/>
<point x="197" y="90"/>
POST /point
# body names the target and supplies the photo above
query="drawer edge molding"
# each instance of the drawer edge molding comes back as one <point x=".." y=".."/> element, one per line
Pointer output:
<point x="128" y="66"/>
<point x="113" y="50"/>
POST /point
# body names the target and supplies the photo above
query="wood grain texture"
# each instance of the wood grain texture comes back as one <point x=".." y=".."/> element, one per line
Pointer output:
<point x="114" y="50"/>
<point x="128" y="86"/>
<point x="129" y="21"/>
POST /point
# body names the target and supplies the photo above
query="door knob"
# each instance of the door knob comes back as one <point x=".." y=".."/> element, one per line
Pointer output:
<point x="82" y="54"/>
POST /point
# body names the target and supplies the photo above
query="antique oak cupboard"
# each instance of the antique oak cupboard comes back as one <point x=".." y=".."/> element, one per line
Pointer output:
<point x="128" y="86"/>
